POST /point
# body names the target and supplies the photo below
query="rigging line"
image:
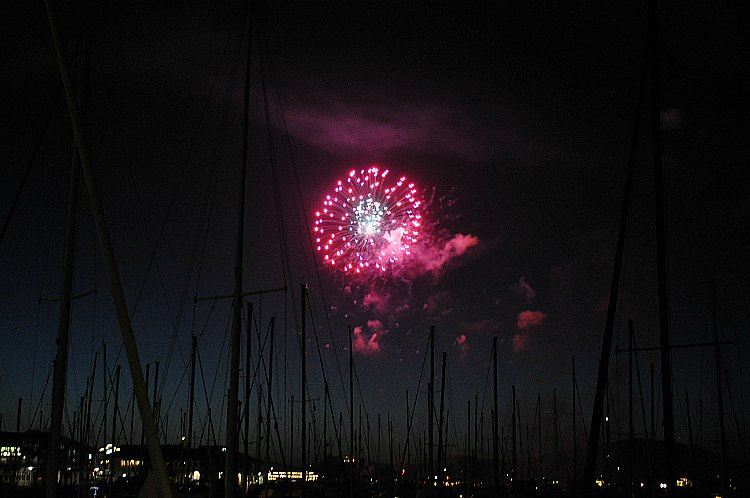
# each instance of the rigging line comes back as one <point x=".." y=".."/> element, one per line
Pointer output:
<point x="41" y="398"/>
<point x="273" y="409"/>
<point x="176" y="192"/>
<point x="452" y="409"/>
<point x="51" y="106"/>
<point x="175" y="322"/>
<point x="42" y="281"/>
<point x="410" y="422"/>
<point x="293" y="167"/>
<point x="218" y="361"/>
<point x="141" y="211"/>
<point x="322" y="368"/>
<point x="230" y="87"/>
<point x="361" y="396"/>
<point x="486" y="382"/>
<point x="735" y="326"/>
<point x="283" y="240"/>
<point x="583" y="419"/>
<point x="181" y="174"/>
<point x="205" y="393"/>
<point x="208" y="317"/>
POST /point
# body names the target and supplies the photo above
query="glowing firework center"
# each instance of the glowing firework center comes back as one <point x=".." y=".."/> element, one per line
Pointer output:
<point x="367" y="223"/>
<point x="368" y="215"/>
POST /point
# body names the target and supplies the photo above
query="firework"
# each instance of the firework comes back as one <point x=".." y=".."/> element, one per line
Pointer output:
<point x="369" y="223"/>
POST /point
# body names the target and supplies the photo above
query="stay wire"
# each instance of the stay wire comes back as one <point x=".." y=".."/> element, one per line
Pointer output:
<point x="293" y="167"/>
<point x="52" y="101"/>
<point x="230" y="88"/>
<point x="410" y="422"/>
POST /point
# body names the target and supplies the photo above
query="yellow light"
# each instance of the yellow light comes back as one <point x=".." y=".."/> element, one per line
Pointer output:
<point x="684" y="482"/>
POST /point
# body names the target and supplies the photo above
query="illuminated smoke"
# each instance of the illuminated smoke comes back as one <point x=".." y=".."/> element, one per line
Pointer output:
<point x="528" y="319"/>
<point x="366" y="342"/>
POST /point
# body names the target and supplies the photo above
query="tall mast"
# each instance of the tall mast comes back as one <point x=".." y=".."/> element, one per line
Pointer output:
<point x="631" y="427"/>
<point x="191" y="394"/>
<point x="614" y="290"/>
<point x="495" y="448"/>
<point x="351" y="413"/>
<point x="391" y="479"/>
<point x="325" y="429"/>
<point x="661" y="250"/>
<point x="513" y="437"/>
<point x="113" y="275"/>
<point x="230" y="484"/>
<point x="441" y="462"/>
<point x="248" y="361"/>
<point x="104" y="392"/>
<point x="556" y="436"/>
<point x="468" y="446"/>
<point x="539" y="427"/>
<point x="155" y="403"/>
<point x="303" y="382"/>
<point x="719" y="392"/>
<point x="575" y="439"/>
<point x="60" y="372"/>
<point x="18" y="414"/>
<point x="431" y="410"/>
<point x="146" y="383"/>
<point x="269" y="401"/>
<point x="291" y="432"/>
<point x="115" y="402"/>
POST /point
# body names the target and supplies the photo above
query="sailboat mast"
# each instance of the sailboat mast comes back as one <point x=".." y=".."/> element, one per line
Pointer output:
<point x="440" y="461"/>
<point x="269" y="400"/>
<point x="191" y="396"/>
<point x="719" y="392"/>
<point x="59" y="377"/>
<point x="230" y="482"/>
<point x="113" y="275"/>
<point x="351" y="413"/>
<point x="248" y="361"/>
<point x="495" y="447"/>
<point x="303" y="381"/>
<point x="431" y="410"/>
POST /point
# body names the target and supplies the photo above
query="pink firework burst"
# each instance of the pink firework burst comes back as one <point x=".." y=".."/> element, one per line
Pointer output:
<point x="369" y="222"/>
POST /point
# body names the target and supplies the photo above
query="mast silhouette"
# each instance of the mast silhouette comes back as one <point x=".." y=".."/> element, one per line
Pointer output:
<point x="230" y="473"/>
<point x="113" y="275"/>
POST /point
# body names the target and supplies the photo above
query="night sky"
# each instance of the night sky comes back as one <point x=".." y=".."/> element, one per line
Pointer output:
<point x="513" y="120"/>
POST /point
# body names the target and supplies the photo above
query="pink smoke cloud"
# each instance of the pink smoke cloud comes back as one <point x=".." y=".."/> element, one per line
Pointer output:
<point x="524" y="289"/>
<point x="528" y="319"/>
<point x="366" y="342"/>
<point x="462" y="343"/>
<point x="433" y="256"/>
<point x="377" y="300"/>
<point x="519" y="343"/>
<point x="365" y="123"/>
<point x="481" y="327"/>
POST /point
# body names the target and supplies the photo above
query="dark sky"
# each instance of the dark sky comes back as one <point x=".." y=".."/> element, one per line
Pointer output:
<point x="517" y="118"/>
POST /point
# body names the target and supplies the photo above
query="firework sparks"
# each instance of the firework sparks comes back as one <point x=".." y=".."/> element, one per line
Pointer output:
<point x="369" y="223"/>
